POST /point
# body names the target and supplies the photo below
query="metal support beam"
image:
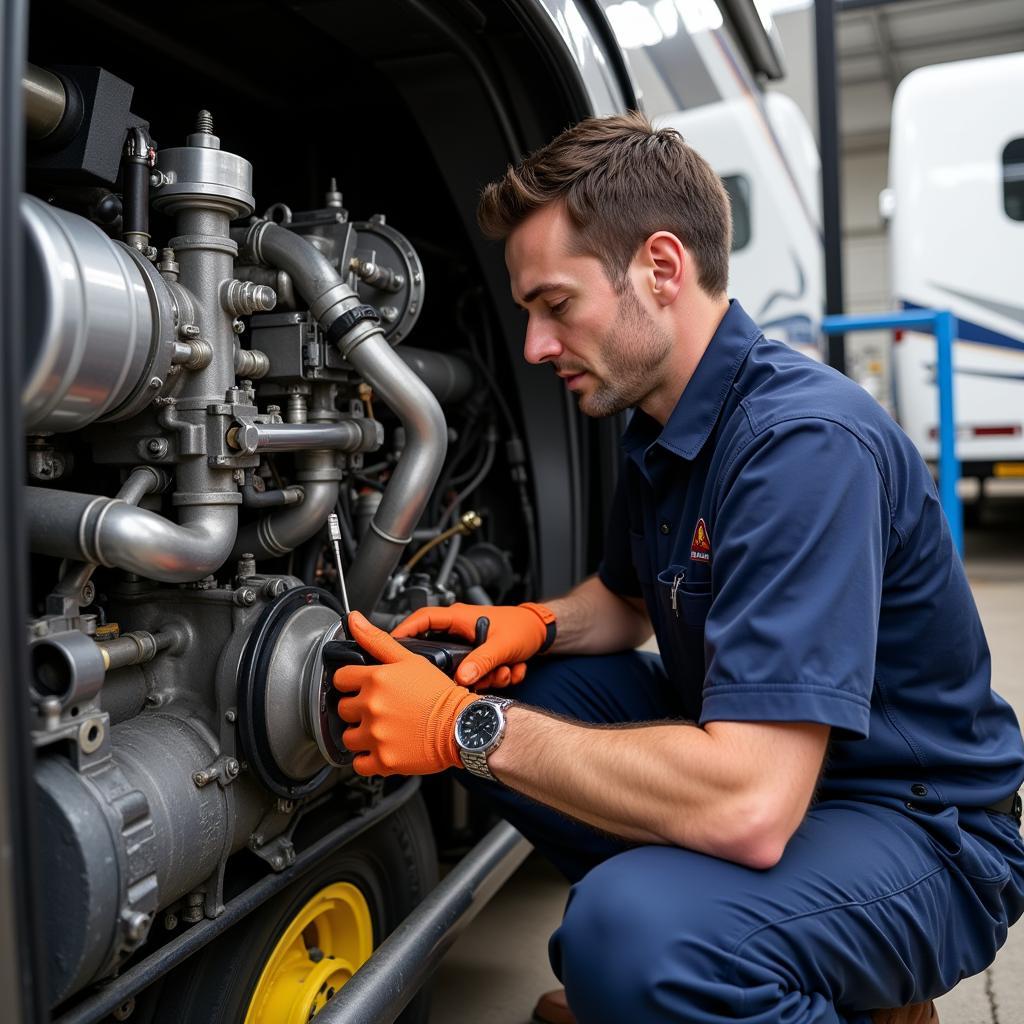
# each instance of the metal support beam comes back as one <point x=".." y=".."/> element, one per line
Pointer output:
<point x="22" y="979"/>
<point x="828" y="143"/>
<point x="383" y="986"/>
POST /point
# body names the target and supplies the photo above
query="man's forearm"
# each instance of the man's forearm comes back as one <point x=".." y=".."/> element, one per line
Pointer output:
<point x="735" y="792"/>
<point x="593" y="620"/>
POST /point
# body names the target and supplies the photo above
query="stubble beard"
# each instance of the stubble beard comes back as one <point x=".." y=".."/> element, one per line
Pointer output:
<point x="634" y="351"/>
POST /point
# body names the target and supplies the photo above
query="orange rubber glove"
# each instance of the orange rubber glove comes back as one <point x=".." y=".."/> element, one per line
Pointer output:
<point x="402" y="711"/>
<point x="516" y="633"/>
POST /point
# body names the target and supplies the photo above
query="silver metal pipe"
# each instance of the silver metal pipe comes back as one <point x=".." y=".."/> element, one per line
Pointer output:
<point x="280" y="532"/>
<point x="366" y="349"/>
<point x="141" y="481"/>
<point x="45" y="101"/>
<point x="384" y="985"/>
<point x="110" y="532"/>
<point x="360" y="435"/>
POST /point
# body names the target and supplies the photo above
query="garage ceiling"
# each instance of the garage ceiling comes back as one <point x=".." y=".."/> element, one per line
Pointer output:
<point x="884" y="41"/>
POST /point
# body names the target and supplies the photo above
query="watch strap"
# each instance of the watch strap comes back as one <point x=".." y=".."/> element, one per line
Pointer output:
<point x="475" y="761"/>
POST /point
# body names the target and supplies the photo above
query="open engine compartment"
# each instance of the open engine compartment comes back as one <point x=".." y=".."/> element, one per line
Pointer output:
<point x="216" y="359"/>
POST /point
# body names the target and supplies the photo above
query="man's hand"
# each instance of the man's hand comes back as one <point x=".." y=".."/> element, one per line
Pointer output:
<point x="402" y="711"/>
<point x="516" y="633"/>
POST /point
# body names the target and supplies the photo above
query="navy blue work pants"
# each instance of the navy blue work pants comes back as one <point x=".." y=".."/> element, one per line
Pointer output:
<point x="871" y="906"/>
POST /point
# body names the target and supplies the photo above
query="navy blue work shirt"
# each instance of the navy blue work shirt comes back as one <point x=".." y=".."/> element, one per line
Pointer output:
<point x="789" y="544"/>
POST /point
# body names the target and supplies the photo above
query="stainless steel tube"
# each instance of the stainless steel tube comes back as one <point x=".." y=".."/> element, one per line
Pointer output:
<point x="366" y="349"/>
<point x="45" y="101"/>
<point x="382" y="987"/>
<point x="280" y="532"/>
<point x="346" y="436"/>
<point x="141" y="481"/>
<point x="110" y="532"/>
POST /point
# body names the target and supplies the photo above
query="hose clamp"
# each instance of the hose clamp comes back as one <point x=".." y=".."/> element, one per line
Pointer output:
<point x="344" y="323"/>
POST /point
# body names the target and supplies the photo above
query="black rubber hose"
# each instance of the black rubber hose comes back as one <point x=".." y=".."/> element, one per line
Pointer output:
<point x="135" y="180"/>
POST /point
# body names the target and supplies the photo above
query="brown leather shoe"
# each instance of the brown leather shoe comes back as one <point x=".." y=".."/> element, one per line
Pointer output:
<point x="553" y="1008"/>
<point x="916" y="1013"/>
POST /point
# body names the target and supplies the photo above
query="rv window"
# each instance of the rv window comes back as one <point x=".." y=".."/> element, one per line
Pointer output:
<point x="738" y="187"/>
<point x="1013" y="179"/>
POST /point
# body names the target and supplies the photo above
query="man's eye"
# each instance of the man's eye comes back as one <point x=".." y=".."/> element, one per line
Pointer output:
<point x="559" y="307"/>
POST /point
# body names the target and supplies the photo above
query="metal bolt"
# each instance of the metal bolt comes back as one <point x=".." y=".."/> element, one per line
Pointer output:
<point x="237" y="326"/>
<point x="155" y="383"/>
<point x="200" y="778"/>
<point x="89" y="593"/>
<point x="204" y="122"/>
<point x="245" y="596"/>
<point x="125" y="1010"/>
<point x="135" y="926"/>
<point x="170" y="921"/>
<point x="231" y="767"/>
<point x="231" y="715"/>
<point x="157" y="446"/>
<point x="277" y="862"/>
<point x="389" y="314"/>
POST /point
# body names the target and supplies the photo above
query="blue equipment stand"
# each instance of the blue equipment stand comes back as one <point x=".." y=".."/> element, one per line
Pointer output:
<point x="943" y="325"/>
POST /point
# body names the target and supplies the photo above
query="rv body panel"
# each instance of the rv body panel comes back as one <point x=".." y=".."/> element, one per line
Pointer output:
<point x="956" y="246"/>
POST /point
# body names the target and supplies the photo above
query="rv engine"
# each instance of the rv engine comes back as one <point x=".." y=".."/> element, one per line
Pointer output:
<point x="194" y="414"/>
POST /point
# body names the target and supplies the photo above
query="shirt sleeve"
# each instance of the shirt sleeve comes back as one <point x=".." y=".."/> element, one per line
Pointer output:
<point x="799" y="543"/>
<point x="616" y="570"/>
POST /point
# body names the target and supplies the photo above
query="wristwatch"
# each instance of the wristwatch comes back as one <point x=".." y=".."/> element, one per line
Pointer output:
<point x="479" y="730"/>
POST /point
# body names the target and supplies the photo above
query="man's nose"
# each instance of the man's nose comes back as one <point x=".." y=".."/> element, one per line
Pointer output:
<point x="542" y="344"/>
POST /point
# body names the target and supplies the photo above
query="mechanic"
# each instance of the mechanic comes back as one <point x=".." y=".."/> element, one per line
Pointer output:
<point x="805" y="809"/>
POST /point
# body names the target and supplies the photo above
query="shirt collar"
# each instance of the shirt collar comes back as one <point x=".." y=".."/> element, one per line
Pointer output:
<point x="695" y="414"/>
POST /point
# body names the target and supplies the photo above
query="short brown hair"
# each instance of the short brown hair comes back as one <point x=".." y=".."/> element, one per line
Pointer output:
<point x="621" y="181"/>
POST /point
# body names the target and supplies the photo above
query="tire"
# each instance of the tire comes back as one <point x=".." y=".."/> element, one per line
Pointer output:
<point x="393" y="866"/>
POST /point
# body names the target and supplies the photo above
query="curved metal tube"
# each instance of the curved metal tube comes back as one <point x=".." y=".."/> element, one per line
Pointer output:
<point x="110" y="532"/>
<point x="406" y="395"/>
<point x="141" y="481"/>
<point x="280" y="532"/>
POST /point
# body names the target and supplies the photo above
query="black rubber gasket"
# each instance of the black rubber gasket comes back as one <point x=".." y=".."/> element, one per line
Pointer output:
<point x="252" y="692"/>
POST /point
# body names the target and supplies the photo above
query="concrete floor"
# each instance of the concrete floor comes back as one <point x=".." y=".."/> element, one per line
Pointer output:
<point x="496" y="970"/>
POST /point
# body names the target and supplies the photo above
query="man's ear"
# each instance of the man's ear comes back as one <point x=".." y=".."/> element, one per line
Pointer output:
<point x="667" y="263"/>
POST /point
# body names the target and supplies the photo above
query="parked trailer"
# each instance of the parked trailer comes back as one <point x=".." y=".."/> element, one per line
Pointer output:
<point x="201" y="385"/>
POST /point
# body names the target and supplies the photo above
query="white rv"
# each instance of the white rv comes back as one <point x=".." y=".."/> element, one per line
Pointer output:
<point x="694" y="70"/>
<point x="956" y="202"/>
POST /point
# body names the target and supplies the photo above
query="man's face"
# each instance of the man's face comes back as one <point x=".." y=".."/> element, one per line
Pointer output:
<point x="603" y="343"/>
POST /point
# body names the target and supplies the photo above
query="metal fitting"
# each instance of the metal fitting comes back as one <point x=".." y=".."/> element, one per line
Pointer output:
<point x="250" y="362"/>
<point x="240" y="298"/>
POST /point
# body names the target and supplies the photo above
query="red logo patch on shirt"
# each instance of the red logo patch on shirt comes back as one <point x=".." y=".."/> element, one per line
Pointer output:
<point x="700" y="546"/>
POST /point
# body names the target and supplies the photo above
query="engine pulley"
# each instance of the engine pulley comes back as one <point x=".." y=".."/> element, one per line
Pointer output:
<point x="285" y="719"/>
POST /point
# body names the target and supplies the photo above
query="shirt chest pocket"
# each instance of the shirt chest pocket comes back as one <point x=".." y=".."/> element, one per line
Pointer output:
<point x="682" y="613"/>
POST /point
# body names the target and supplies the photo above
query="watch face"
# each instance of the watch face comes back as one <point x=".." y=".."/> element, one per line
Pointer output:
<point x="478" y="725"/>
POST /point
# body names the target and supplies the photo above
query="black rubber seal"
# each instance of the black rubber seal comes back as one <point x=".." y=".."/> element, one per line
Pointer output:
<point x="252" y="692"/>
<point x="344" y="323"/>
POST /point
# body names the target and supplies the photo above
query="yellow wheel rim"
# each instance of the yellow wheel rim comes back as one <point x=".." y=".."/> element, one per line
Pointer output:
<point x="326" y="942"/>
